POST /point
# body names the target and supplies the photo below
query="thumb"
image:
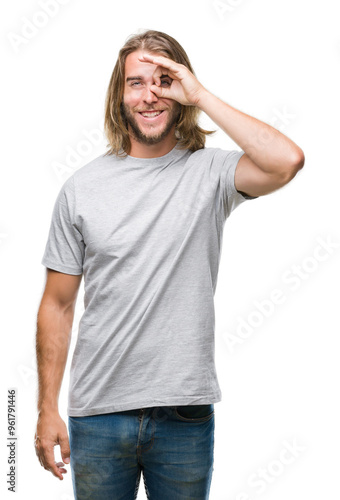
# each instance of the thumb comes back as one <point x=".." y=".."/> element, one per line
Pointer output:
<point x="159" y="91"/>
<point x="65" y="449"/>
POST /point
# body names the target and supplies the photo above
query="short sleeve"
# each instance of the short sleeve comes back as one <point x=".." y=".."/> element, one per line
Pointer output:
<point x="64" y="251"/>
<point x="230" y="197"/>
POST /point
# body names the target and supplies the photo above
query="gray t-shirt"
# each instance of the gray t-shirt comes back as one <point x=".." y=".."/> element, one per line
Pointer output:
<point x="147" y="235"/>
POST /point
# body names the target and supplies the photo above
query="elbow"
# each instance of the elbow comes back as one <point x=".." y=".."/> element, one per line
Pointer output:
<point x="295" y="165"/>
<point x="298" y="161"/>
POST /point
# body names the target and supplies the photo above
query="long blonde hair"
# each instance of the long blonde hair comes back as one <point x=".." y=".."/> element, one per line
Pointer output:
<point x="188" y="133"/>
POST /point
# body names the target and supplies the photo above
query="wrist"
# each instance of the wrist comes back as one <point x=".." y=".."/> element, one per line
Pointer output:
<point x="202" y="98"/>
<point x="48" y="410"/>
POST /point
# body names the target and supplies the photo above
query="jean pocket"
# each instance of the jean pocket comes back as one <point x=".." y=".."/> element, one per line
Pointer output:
<point x="194" y="413"/>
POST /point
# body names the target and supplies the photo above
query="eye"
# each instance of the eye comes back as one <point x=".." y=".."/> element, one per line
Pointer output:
<point x="167" y="82"/>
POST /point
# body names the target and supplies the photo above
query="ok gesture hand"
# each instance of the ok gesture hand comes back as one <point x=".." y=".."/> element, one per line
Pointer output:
<point x="185" y="88"/>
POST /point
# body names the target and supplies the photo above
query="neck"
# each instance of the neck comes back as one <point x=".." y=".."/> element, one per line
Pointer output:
<point x="139" y="150"/>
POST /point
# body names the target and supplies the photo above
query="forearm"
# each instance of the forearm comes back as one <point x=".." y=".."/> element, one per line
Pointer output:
<point x="54" y="327"/>
<point x="271" y="150"/>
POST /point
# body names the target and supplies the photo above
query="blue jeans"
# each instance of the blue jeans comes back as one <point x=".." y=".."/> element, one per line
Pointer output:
<point x="172" y="445"/>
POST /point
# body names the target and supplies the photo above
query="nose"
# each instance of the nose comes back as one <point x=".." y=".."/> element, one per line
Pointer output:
<point x="149" y="96"/>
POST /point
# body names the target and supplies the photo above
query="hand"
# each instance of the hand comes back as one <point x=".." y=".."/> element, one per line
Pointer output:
<point x="185" y="88"/>
<point x="51" y="430"/>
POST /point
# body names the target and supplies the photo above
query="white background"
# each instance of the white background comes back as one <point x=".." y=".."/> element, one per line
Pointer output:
<point x="277" y="61"/>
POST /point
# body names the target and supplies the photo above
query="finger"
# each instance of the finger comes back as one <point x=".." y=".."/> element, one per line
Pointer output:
<point x="38" y="451"/>
<point x="60" y="466"/>
<point x="157" y="75"/>
<point x="65" y="449"/>
<point x="160" y="71"/>
<point x="47" y="456"/>
<point x="159" y="91"/>
<point x="162" y="61"/>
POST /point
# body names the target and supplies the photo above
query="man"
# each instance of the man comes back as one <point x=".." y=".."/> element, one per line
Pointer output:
<point x="144" y="224"/>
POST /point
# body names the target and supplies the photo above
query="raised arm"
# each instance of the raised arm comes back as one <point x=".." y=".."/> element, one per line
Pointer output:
<point x="54" y="327"/>
<point x="270" y="158"/>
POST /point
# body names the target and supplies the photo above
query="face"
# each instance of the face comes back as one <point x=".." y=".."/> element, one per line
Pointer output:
<point x="153" y="127"/>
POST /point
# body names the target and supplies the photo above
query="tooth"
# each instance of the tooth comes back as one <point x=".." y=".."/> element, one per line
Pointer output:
<point x="156" y="113"/>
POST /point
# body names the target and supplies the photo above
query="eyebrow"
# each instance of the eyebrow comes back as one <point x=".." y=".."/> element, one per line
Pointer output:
<point x="129" y="78"/>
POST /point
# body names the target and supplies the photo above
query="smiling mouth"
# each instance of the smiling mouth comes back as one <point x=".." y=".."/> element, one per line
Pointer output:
<point x="151" y="114"/>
